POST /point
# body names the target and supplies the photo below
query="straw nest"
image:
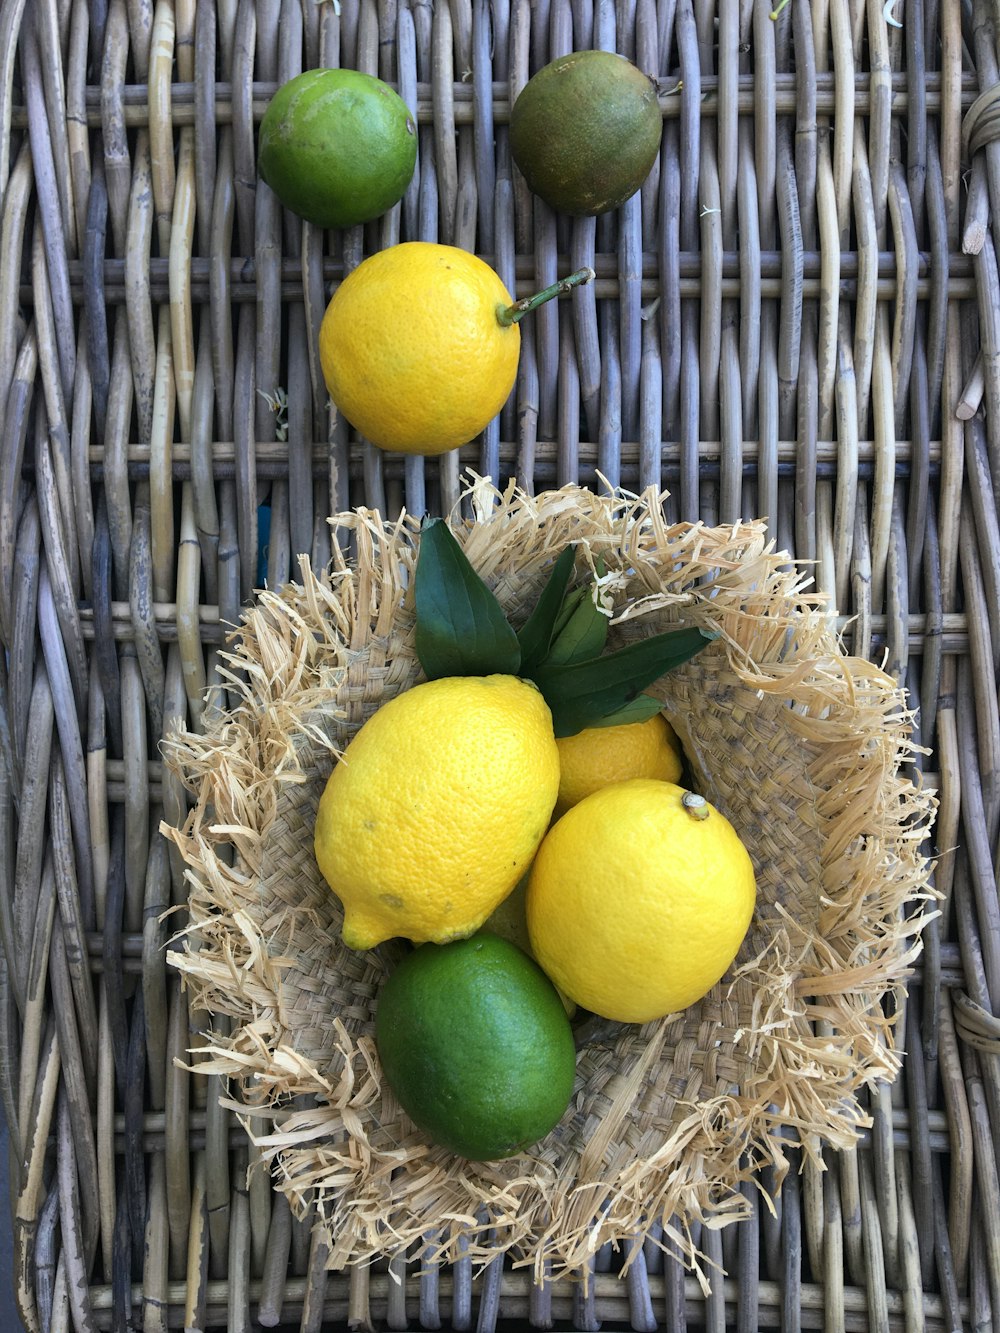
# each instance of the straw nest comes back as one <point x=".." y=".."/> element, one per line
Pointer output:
<point x="807" y="750"/>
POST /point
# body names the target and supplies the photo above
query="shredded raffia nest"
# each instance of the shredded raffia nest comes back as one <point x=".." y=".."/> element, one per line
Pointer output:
<point x="806" y="749"/>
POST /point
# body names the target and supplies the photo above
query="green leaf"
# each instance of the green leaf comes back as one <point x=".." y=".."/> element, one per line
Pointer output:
<point x="461" y="628"/>
<point x="570" y="602"/>
<point x="536" y="632"/>
<point x="639" y="709"/>
<point x="582" y="634"/>
<point x="582" y="694"/>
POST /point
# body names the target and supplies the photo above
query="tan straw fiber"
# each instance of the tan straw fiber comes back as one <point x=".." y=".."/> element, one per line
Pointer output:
<point x="806" y="749"/>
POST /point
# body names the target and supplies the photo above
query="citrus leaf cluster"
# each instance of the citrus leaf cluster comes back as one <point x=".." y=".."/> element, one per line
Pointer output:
<point x="461" y="630"/>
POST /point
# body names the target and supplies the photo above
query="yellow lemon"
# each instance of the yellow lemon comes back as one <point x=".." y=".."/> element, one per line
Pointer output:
<point x="436" y="808"/>
<point x="597" y="756"/>
<point x="412" y="350"/>
<point x="639" y="899"/>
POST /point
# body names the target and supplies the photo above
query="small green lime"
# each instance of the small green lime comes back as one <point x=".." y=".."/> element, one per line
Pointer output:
<point x="585" y="131"/>
<point x="337" y="146"/>
<point x="476" y="1045"/>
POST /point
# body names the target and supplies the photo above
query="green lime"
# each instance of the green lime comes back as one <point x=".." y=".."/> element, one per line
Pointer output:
<point x="476" y="1045"/>
<point x="337" y="147"/>
<point x="585" y="131"/>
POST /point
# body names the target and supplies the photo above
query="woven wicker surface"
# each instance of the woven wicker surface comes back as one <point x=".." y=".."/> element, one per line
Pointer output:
<point x="799" y="318"/>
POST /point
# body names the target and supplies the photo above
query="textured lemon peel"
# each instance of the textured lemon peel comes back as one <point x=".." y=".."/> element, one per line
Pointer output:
<point x="379" y="1189"/>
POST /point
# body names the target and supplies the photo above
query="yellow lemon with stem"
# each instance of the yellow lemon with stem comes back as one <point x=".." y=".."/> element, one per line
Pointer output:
<point x="419" y="345"/>
<point x="639" y="899"/>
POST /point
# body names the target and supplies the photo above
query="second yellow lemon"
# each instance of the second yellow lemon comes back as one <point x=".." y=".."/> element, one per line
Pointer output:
<point x="639" y="899"/>
<point x="436" y="808"/>
<point x="412" y="351"/>
<point x="597" y="756"/>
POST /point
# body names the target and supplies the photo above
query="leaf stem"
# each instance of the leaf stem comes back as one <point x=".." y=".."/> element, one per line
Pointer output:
<point x="511" y="314"/>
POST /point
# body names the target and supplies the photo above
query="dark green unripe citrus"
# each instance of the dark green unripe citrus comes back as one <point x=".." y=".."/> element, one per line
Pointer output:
<point x="585" y="131"/>
<point x="337" y="147"/>
<point x="476" y="1046"/>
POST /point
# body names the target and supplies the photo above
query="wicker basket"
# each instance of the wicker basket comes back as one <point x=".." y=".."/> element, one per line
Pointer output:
<point x="805" y="748"/>
<point x="798" y="318"/>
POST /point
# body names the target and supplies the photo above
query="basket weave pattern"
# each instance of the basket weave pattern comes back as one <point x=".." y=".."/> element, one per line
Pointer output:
<point x="802" y="746"/>
<point x="798" y="318"/>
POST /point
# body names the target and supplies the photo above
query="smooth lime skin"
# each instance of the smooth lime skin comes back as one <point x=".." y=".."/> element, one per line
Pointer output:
<point x="476" y="1046"/>
<point x="337" y="147"/>
<point x="585" y="131"/>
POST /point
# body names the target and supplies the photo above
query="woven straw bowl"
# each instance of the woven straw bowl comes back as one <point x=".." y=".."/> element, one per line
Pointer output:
<point x="806" y="749"/>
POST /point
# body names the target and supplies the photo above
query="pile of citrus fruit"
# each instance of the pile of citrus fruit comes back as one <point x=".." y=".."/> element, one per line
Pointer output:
<point x="517" y="817"/>
<point x="419" y="345"/>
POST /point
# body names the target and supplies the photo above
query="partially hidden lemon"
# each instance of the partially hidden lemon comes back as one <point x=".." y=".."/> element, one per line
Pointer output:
<point x="436" y="808"/>
<point x="597" y="756"/>
<point x="509" y="920"/>
<point x="637" y="902"/>
<point x="412" y="351"/>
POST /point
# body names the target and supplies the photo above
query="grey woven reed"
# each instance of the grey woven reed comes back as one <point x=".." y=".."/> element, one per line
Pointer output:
<point x="797" y="320"/>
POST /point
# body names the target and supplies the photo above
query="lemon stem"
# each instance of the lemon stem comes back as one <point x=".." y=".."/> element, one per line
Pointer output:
<point x="510" y="314"/>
